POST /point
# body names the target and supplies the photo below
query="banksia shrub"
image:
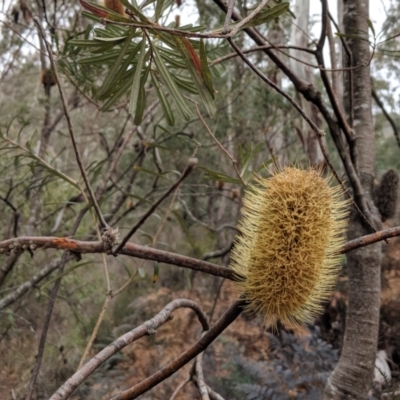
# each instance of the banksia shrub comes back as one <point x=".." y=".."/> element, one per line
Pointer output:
<point x="286" y="256"/>
<point x="386" y="194"/>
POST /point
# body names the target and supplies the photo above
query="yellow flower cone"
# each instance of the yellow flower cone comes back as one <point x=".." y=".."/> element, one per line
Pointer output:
<point x="292" y="229"/>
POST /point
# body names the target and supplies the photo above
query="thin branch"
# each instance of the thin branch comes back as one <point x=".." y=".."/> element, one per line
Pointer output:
<point x="319" y="55"/>
<point x="103" y="223"/>
<point x="370" y="239"/>
<point x="189" y="168"/>
<point x="387" y="115"/>
<point x="216" y="299"/>
<point x="147" y="328"/>
<point x="233" y="312"/>
<point x="15" y="216"/>
<point x="313" y="126"/>
<point x="171" y="31"/>
<point x="258" y="48"/>
<point x="7" y="266"/>
<point x="46" y="325"/>
<point x="95" y="330"/>
<point x="218" y="253"/>
<point x="25" y="287"/>
<point x="233" y="161"/>
<point x="200" y="382"/>
<point x="213" y="394"/>
<point x="247" y="19"/>
<point x="180" y="387"/>
<point x="349" y="55"/>
<point x="121" y="149"/>
<point x="228" y="17"/>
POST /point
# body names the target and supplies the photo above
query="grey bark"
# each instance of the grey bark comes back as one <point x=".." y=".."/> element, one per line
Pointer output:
<point x="352" y="376"/>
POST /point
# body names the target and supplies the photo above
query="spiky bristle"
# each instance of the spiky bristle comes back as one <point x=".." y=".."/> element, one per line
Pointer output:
<point x="287" y="254"/>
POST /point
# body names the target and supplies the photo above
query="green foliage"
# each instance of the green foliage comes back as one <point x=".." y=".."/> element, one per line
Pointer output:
<point x="176" y="63"/>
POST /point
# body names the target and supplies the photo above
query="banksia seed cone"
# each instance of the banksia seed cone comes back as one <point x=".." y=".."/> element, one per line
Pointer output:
<point x="386" y="194"/>
<point x="287" y="254"/>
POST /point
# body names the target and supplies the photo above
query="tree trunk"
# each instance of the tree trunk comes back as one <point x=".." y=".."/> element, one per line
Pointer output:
<point x="352" y="376"/>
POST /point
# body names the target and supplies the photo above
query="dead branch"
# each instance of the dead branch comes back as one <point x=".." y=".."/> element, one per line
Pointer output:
<point x="165" y="372"/>
<point x="147" y="328"/>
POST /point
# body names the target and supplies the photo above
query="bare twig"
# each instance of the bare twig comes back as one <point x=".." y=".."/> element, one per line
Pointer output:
<point x="370" y="239"/>
<point x="180" y="387"/>
<point x="121" y="148"/>
<point x="200" y="382"/>
<point x="95" y="329"/>
<point x="15" y="216"/>
<point x="147" y="328"/>
<point x="258" y="48"/>
<point x="46" y="325"/>
<point x="233" y="161"/>
<point x="247" y="19"/>
<point x="218" y="253"/>
<point x="216" y="299"/>
<point x="25" y="287"/>
<point x="7" y="266"/>
<point x="228" y="17"/>
<point x="233" y="312"/>
<point x="213" y="395"/>
<point x="103" y="223"/>
<point x="313" y="126"/>
<point x="189" y="168"/>
<point x="387" y="116"/>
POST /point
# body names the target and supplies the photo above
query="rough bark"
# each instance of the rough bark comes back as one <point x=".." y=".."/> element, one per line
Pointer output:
<point x="352" y="376"/>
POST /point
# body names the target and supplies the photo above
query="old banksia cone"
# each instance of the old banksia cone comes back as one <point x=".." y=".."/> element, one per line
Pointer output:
<point x="287" y="254"/>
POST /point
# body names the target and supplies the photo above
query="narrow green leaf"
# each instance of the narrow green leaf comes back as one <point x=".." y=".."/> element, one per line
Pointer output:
<point x="198" y="80"/>
<point x="66" y="272"/>
<point x="123" y="88"/>
<point x="100" y="59"/>
<point x="141" y="101"/>
<point x="163" y="101"/>
<point x="87" y="43"/>
<point x="268" y="15"/>
<point x="205" y="69"/>
<point x="112" y="72"/>
<point x="371" y="26"/>
<point x="176" y="95"/>
<point x="135" y="9"/>
<point x="155" y="271"/>
<point x="185" y="229"/>
<point x="123" y="75"/>
<point x="184" y="83"/>
<point x="111" y="39"/>
<point x="159" y="7"/>
<point x="146" y="3"/>
<point x="147" y="236"/>
<point x="148" y="171"/>
<point x="219" y="176"/>
<point x="247" y="160"/>
<point x="136" y="80"/>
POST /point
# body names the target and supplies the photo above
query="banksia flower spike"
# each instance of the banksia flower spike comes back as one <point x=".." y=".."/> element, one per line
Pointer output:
<point x="287" y="255"/>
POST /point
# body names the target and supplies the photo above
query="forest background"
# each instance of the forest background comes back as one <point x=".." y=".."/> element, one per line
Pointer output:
<point x="101" y="156"/>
